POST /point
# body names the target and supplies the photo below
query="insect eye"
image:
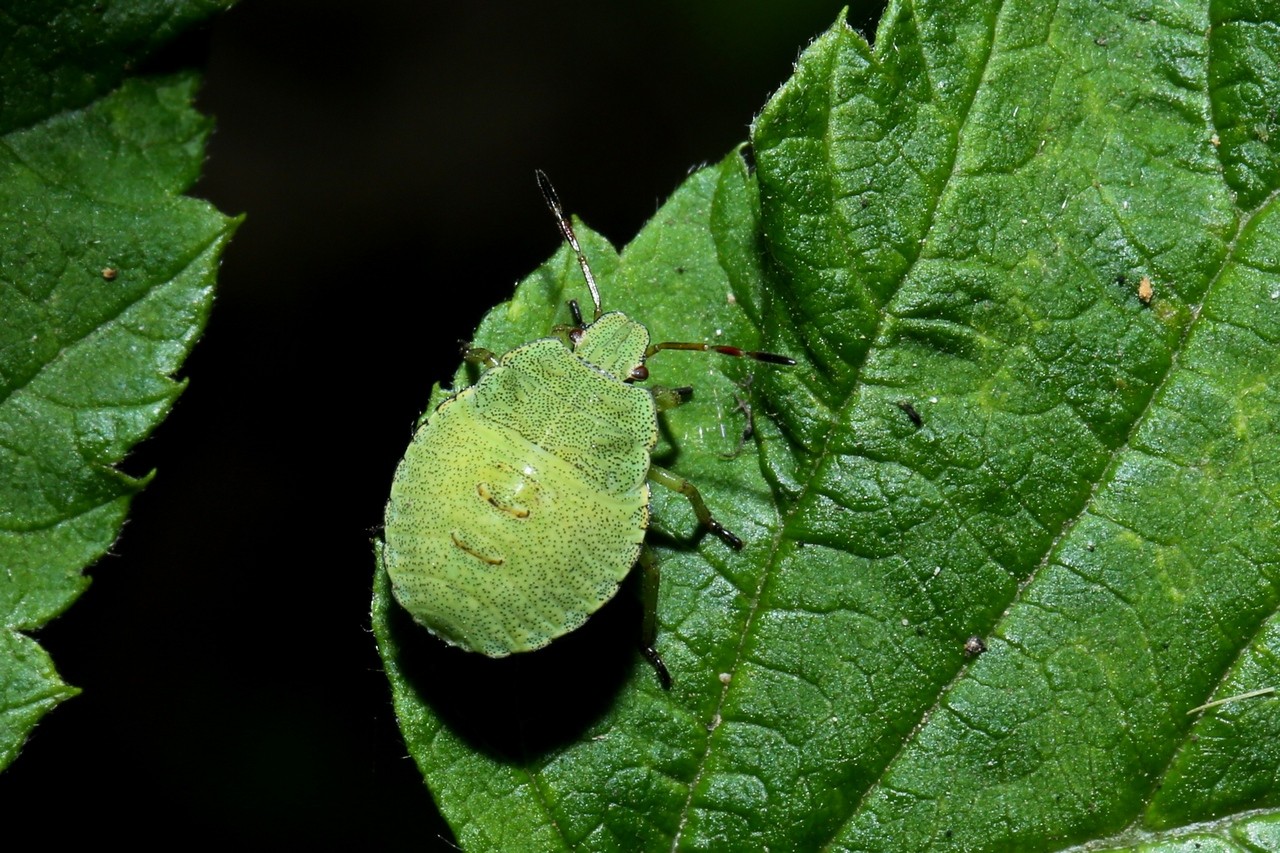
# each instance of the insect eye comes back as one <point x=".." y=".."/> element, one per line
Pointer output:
<point x="639" y="373"/>
<point x="575" y="335"/>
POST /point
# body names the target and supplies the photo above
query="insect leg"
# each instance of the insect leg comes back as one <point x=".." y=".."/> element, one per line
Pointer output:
<point x="679" y="484"/>
<point x="649" y="577"/>
<point x="479" y="355"/>
<point x="669" y="398"/>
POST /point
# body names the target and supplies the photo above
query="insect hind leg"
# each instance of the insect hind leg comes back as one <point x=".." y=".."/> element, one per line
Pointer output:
<point x="649" y="579"/>
<point x="679" y="484"/>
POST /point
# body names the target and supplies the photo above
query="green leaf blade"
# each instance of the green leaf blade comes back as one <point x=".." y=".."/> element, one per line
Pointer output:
<point x="66" y="55"/>
<point x="29" y="689"/>
<point x="106" y="278"/>
<point x="1244" y="77"/>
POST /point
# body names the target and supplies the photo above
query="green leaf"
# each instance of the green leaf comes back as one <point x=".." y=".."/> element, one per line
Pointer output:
<point x="960" y="225"/>
<point x="61" y="54"/>
<point x="106" y="277"/>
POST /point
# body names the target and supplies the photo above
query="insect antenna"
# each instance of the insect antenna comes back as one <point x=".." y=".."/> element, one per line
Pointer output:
<point x="769" y="357"/>
<point x="553" y="202"/>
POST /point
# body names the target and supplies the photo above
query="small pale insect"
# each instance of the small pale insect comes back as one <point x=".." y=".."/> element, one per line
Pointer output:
<point x="522" y="502"/>
<point x="1145" y="290"/>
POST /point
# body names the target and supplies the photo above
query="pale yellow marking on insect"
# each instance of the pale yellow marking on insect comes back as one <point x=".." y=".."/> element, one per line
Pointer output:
<point x="513" y="510"/>
<point x="457" y="540"/>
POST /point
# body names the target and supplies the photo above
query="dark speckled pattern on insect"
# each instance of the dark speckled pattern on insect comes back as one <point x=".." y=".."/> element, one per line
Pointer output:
<point x="522" y="503"/>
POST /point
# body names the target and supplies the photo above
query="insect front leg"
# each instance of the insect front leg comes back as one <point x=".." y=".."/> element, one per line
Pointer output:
<point x="649" y="579"/>
<point x="486" y="358"/>
<point x="679" y="484"/>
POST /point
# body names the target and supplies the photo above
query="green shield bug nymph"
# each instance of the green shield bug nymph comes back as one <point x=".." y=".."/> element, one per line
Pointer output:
<point x="522" y="502"/>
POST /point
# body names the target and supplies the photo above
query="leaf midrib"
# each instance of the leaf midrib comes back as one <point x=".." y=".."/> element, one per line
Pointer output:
<point x="771" y="564"/>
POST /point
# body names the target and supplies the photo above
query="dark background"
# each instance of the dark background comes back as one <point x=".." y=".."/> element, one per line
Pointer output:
<point x="385" y="160"/>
